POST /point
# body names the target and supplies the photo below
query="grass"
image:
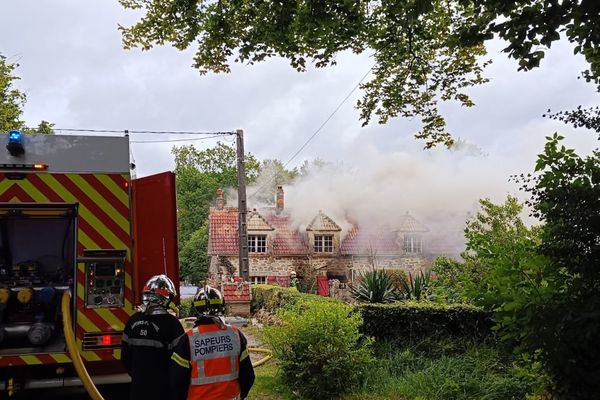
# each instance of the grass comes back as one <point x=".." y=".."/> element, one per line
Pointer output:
<point x="428" y="370"/>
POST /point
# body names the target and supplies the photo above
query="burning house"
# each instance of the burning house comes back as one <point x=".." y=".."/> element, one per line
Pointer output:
<point x="278" y="245"/>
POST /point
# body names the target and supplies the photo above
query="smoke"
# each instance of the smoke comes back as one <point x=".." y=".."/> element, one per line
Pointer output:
<point x="438" y="188"/>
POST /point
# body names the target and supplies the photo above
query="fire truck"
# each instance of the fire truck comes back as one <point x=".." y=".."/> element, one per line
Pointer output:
<point x="74" y="220"/>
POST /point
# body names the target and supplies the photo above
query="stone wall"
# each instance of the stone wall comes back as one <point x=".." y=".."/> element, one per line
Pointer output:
<point x="348" y="266"/>
<point x="264" y="265"/>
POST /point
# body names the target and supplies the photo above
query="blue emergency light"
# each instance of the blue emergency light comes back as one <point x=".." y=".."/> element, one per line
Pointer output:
<point x="15" y="143"/>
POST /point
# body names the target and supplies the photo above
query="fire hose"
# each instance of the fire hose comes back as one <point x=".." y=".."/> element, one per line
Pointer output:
<point x="88" y="384"/>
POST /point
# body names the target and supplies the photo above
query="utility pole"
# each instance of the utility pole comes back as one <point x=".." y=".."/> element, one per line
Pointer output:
<point x="242" y="207"/>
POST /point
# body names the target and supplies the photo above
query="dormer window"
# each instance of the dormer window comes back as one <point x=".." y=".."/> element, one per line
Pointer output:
<point x="257" y="243"/>
<point x="413" y="244"/>
<point x="323" y="244"/>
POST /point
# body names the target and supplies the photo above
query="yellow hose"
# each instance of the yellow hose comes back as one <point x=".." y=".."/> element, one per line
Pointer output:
<point x="262" y="360"/>
<point x="74" y="351"/>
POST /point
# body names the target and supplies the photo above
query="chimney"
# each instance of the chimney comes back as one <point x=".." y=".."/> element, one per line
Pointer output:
<point x="219" y="199"/>
<point x="279" y="199"/>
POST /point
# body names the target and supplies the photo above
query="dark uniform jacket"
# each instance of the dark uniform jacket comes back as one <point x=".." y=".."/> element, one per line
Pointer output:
<point x="146" y="353"/>
<point x="181" y="369"/>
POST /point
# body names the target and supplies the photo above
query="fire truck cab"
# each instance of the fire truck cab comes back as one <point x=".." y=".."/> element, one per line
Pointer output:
<point x="73" y="219"/>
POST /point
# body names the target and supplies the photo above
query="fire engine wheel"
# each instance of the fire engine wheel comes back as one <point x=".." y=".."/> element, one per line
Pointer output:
<point x="88" y="384"/>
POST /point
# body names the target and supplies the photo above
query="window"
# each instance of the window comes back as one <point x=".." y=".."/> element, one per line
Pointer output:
<point x="258" y="280"/>
<point x="413" y="244"/>
<point x="257" y="243"/>
<point x="323" y="244"/>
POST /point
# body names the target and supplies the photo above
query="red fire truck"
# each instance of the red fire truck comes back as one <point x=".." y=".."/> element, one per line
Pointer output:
<point x="73" y="219"/>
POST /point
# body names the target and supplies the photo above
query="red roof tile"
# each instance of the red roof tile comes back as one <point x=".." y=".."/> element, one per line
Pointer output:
<point x="236" y="292"/>
<point x="224" y="236"/>
<point x="288" y="241"/>
<point x="370" y="242"/>
<point x="223" y="232"/>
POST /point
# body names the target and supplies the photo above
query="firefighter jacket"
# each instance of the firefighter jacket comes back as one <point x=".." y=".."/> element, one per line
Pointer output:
<point x="211" y="362"/>
<point x="146" y="353"/>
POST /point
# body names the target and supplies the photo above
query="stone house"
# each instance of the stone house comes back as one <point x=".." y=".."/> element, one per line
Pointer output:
<point x="276" y="247"/>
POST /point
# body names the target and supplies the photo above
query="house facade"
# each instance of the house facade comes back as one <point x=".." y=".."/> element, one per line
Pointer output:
<point x="276" y="247"/>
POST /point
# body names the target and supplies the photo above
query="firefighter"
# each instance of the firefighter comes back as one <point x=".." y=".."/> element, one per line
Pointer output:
<point x="211" y="362"/>
<point x="148" y="339"/>
<point x="294" y="281"/>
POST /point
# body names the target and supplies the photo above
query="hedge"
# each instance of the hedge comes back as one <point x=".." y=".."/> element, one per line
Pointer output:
<point x="413" y="320"/>
<point x="271" y="298"/>
<point x="395" y="321"/>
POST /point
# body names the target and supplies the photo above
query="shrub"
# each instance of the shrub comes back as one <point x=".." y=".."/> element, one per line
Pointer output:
<point x="410" y="320"/>
<point x="272" y="298"/>
<point x="186" y="308"/>
<point x="321" y="353"/>
<point x="375" y="287"/>
<point x="416" y="288"/>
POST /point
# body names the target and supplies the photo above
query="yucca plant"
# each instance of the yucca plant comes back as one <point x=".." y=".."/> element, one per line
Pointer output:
<point x="418" y="287"/>
<point x="375" y="287"/>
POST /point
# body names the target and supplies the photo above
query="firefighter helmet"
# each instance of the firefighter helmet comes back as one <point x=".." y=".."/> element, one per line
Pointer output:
<point x="293" y="274"/>
<point x="209" y="301"/>
<point x="159" y="290"/>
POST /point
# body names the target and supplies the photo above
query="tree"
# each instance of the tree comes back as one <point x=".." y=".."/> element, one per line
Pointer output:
<point x="425" y="51"/>
<point x="194" y="257"/>
<point x="564" y="328"/>
<point x="273" y="173"/>
<point x="12" y="101"/>
<point x="199" y="173"/>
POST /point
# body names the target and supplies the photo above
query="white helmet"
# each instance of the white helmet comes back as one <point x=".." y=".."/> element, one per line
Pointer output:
<point x="159" y="291"/>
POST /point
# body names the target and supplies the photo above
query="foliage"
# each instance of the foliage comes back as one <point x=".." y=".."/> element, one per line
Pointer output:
<point x="588" y="118"/>
<point x="199" y="173"/>
<point x="12" y="101"/>
<point x="425" y="52"/>
<point x="410" y="320"/>
<point x="449" y="283"/>
<point x="186" y="308"/>
<point x="272" y="298"/>
<point x="445" y="368"/>
<point x="375" y="287"/>
<point x="320" y="351"/>
<point x="565" y="324"/>
<point x="416" y="288"/>
<point x="417" y="62"/>
<point x="531" y="26"/>
<point x="193" y="257"/>
<point x="272" y="174"/>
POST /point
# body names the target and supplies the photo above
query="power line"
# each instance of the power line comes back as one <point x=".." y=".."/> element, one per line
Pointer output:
<point x="270" y="180"/>
<point x="175" y="140"/>
<point x="127" y="131"/>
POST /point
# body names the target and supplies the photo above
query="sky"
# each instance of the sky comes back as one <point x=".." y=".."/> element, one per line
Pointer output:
<point x="77" y="75"/>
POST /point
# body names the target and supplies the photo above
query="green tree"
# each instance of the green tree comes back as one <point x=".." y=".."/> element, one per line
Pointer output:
<point x="425" y="51"/>
<point x="193" y="257"/>
<point x="272" y="174"/>
<point x="199" y="173"/>
<point x="564" y="327"/>
<point x="12" y="101"/>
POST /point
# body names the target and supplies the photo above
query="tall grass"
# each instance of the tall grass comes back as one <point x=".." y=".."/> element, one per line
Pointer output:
<point x="444" y="369"/>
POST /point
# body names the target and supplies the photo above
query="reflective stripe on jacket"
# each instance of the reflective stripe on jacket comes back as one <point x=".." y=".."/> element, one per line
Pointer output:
<point x="215" y="362"/>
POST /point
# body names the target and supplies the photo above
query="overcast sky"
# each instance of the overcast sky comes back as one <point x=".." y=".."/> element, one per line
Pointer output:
<point x="77" y="75"/>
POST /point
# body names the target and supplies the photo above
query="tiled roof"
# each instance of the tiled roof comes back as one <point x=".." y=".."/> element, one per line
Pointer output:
<point x="233" y="292"/>
<point x="288" y="240"/>
<point x="223" y="231"/>
<point x="410" y="224"/>
<point x="369" y="242"/>
<point x="323" y="223"/>
<point x="257" y="223"/>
